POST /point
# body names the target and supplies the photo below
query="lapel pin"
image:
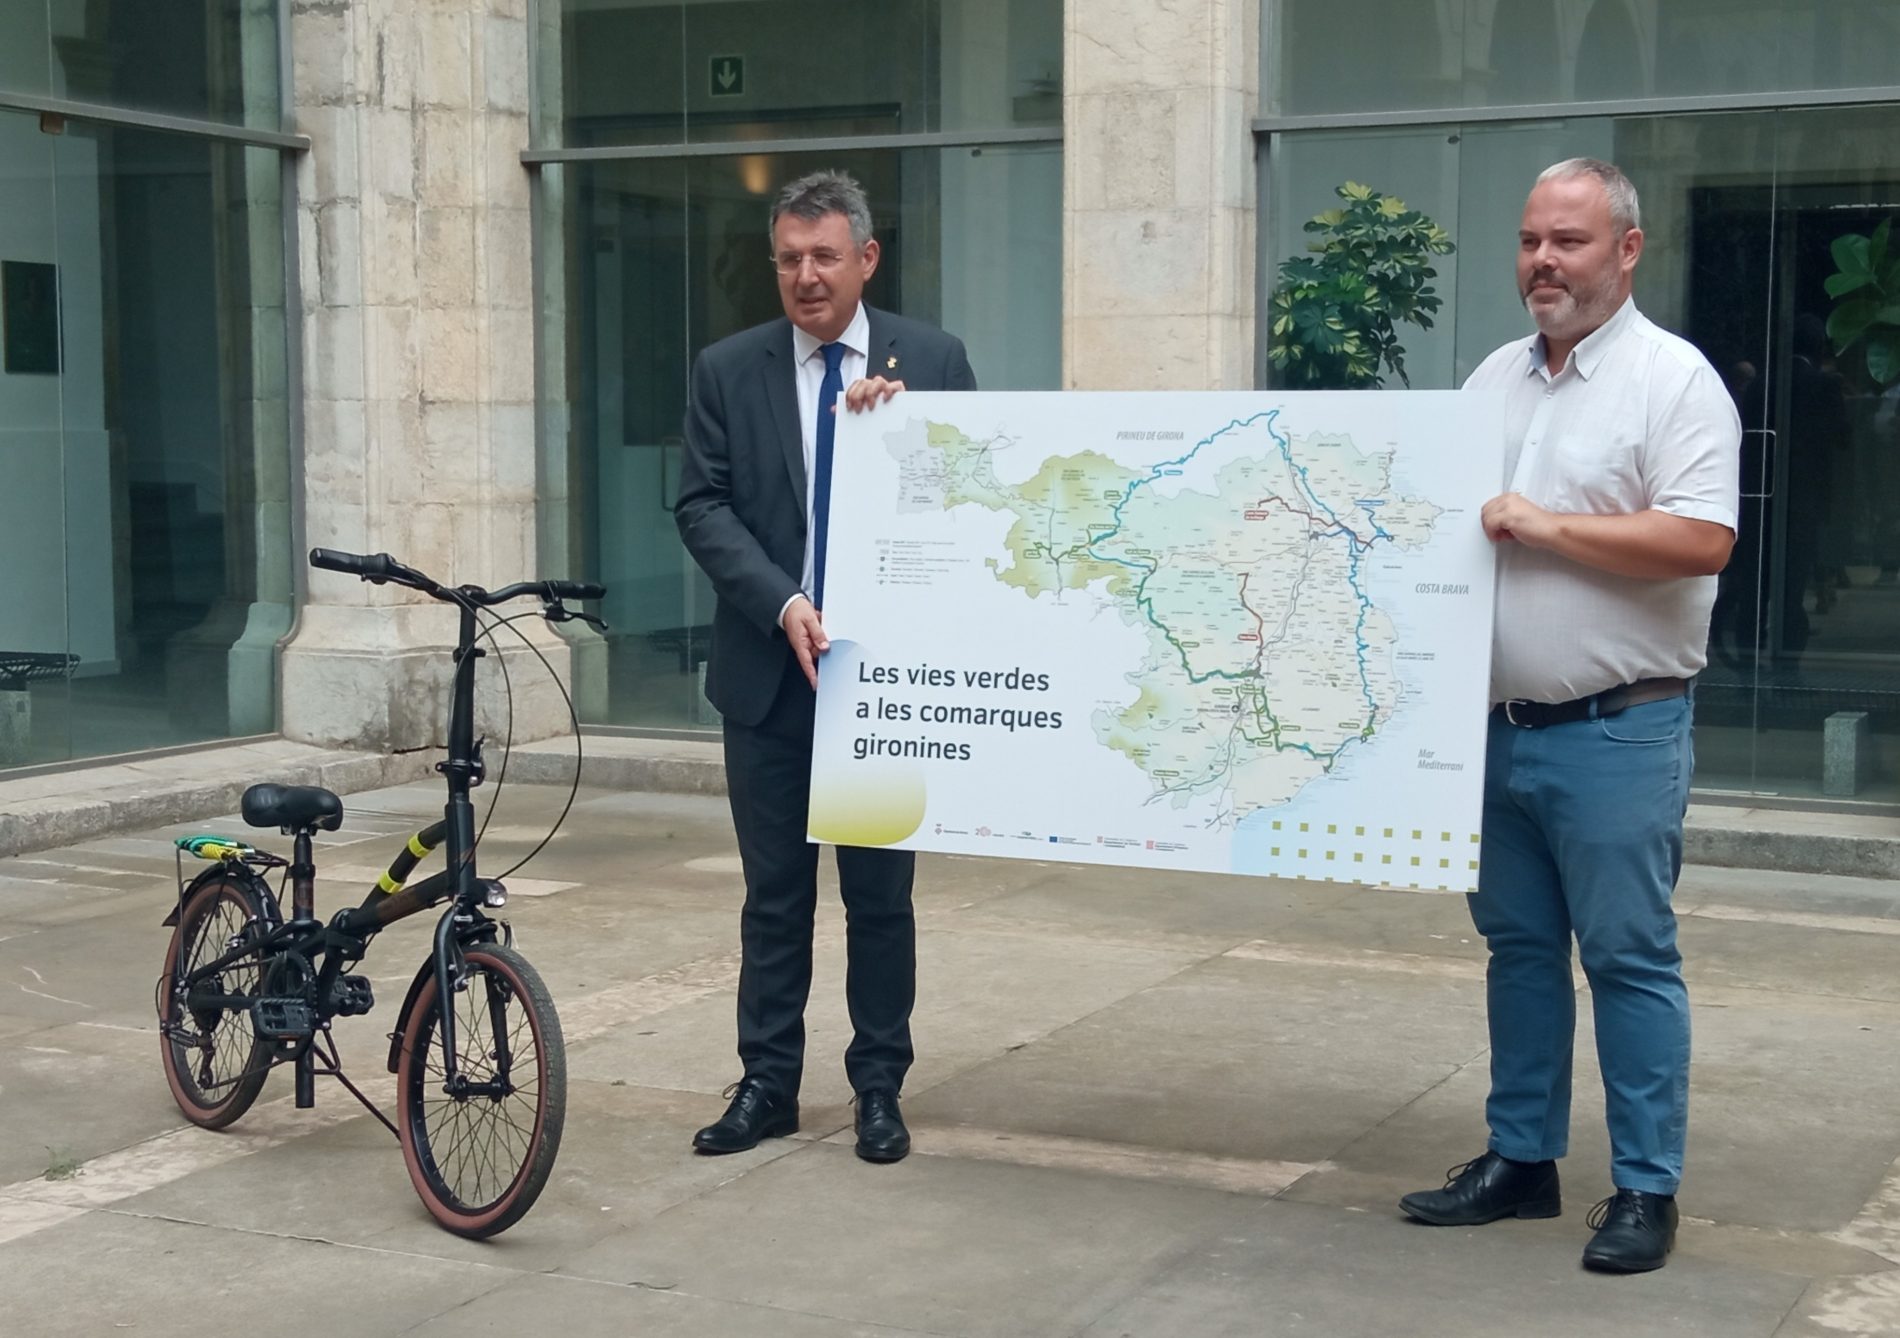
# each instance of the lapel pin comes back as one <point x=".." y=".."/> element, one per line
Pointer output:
<point x="890" y="363"/>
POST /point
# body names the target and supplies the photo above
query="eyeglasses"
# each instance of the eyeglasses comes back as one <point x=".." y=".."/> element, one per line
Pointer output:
<point x="791" y="262"/>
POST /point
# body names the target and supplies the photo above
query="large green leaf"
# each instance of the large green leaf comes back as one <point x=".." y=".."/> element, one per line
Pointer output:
<point x="1850" y="254"/>
<point x="1849" y="321"/>
<point x="1883" y="356"/>
<point x="1840" y="285"/>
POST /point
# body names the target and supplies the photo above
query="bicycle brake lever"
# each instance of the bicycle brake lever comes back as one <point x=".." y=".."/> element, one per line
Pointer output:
<point x="560" y="613"/>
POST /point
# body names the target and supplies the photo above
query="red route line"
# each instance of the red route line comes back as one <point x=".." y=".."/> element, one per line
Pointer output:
<point x="1259" y="623"/>
<point x="1323" y="526"/>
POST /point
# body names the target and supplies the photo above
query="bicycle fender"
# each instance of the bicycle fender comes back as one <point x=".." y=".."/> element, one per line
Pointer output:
<point x="266" y="899"/>
<point x="424" y="974"/>
<point x="483" y="933"/>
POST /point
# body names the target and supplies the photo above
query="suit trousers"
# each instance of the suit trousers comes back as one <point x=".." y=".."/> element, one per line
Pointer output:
<point x="768" y="779"/>
<point x="1583" y="836"/>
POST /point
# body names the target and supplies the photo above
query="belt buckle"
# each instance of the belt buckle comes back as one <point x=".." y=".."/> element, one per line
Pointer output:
<point x="1510" y="714"/>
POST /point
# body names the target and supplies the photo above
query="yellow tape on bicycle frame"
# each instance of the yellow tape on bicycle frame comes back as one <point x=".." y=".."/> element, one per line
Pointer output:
<point x="416" y="847"/>
<point x="388" y="884"/>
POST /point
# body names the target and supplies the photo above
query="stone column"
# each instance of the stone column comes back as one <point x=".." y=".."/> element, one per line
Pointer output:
<point x="1158" y="185"/>
<point x="418" y="358"/>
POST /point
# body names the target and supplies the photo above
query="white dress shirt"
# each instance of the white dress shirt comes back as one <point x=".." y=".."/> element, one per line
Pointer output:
<point x="809" y="359"/>
<point x="1637" y="420"/>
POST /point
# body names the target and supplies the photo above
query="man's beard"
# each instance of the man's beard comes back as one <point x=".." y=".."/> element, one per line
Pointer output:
<point x="1580" y="310"/>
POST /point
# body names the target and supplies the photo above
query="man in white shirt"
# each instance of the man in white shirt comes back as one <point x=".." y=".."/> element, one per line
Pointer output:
<point x="753" y="511"/>
<point x="1621" y="470"/>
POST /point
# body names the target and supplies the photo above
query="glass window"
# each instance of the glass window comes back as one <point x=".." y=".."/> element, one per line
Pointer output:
<point x="144" y="440"/>
<point x="213" y="59"/>
<point x="25" y="63"/>
<point x="647" y="261"/>
<point x="1304" y="176"/>
<point x="1330" y="56"/>
<point x="1742" y="214"/>
<point x="1360" y="55"/>
<point x="632" y="73"/>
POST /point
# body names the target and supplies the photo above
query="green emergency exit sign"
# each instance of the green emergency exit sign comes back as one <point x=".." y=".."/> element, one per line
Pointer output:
<point x="725" y="76"/>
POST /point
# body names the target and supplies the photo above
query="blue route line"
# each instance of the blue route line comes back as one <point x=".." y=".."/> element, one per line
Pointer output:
<point x="1357" y="549"/>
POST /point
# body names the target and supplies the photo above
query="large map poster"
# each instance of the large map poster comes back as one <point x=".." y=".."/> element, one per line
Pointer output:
<point x="1235" y="632"/>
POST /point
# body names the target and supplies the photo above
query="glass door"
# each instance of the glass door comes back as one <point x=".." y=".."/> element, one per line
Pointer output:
<point x="1827" y="666"/>
<point x="37" y="347"/>
<point x="144" y="439"/>
<point x="1799" y="698"/>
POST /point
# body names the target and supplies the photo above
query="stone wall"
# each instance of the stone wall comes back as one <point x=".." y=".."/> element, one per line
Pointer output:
<point x="1159" y="197"/>
<point x="417" y="327"/>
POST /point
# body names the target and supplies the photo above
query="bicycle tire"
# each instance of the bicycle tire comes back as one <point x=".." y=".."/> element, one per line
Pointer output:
<point x="479" y="1162"/>
<point x="215" y="1062"/>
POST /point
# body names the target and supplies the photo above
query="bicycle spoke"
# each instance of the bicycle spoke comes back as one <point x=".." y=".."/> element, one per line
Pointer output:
<point x="212" y="1053"/>
<point x="482" y="1143"/>
<point x="481" y="1155"/>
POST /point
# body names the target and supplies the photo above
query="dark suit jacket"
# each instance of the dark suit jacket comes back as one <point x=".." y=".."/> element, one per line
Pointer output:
<point x="741" y="509"/>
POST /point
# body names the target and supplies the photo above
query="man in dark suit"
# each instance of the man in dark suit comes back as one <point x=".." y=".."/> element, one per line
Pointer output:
<point x="754" y="512"/>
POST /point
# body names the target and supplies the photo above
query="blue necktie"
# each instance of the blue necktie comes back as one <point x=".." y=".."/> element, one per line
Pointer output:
<point x="828" y="392"/>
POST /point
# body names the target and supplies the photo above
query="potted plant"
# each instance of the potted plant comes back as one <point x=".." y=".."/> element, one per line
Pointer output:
<point x="1335" y="312"/>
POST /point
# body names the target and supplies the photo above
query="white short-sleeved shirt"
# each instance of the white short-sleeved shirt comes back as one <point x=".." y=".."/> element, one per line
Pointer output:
<point x="1637" y="420"/>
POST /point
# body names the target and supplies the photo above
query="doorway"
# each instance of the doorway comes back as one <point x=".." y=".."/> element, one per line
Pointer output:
<point x="1806" y="628"/>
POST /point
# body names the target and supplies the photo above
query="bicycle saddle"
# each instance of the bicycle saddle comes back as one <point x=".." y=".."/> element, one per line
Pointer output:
<point x="297" y="807"/>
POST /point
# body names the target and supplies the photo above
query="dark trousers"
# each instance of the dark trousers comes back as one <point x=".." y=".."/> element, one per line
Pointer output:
<point x="768" y="778"/>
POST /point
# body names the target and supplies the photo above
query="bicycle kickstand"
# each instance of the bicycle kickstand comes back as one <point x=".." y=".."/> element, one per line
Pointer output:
<point x="333" y="1068"/>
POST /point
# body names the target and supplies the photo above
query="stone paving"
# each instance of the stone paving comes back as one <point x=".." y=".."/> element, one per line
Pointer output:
<point x="1142" y="1106"/>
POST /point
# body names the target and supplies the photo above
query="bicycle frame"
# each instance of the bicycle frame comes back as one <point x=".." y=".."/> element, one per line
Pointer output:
<point x="328" y="950"/>
<point x="463" y="769"/>
<point x="254" y="980"/>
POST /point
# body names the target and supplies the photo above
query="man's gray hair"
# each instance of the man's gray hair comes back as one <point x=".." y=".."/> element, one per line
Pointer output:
<point x="812" y="197"/>
<point x="1626" y="211"/>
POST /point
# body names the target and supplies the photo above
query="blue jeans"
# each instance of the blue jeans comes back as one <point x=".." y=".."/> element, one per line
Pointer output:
<point x="1583" y="835"/>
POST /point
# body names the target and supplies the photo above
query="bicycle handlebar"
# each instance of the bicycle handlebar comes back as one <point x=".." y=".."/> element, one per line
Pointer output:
<point x="377" y="567"/>
<point x="546" y="590"/>
<point x="380" y="567"/>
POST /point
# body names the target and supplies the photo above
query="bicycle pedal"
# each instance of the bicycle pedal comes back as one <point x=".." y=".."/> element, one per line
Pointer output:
<point x="351" y="996"/>
<point x="284" y="1017"/>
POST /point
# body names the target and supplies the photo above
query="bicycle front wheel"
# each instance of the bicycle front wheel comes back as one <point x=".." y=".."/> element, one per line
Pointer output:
<point x="480" y="1152"/>
<point x="215" y="1062"/>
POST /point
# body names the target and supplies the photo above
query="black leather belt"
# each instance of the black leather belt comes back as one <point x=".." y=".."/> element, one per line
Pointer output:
<point x="1539" y="715"/>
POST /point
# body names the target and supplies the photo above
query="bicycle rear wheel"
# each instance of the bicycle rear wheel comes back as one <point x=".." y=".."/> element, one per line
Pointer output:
<point x="215" y="1062"/>
<point x="479" y="1158"/>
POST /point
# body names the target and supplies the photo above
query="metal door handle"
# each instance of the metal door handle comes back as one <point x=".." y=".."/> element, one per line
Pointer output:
<point x="1767" y="434"/>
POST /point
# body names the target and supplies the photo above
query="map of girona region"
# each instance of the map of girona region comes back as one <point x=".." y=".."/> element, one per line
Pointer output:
<point x="1245" y="632"/>
<point x="1266" y="656"/>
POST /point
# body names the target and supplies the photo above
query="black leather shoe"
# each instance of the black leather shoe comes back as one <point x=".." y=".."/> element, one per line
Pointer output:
<point x="1635" y="1232"/>
<point x="881" y="1132"/>
<point x="1486" y="1189"/>
<point x="754" y="1114"/>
